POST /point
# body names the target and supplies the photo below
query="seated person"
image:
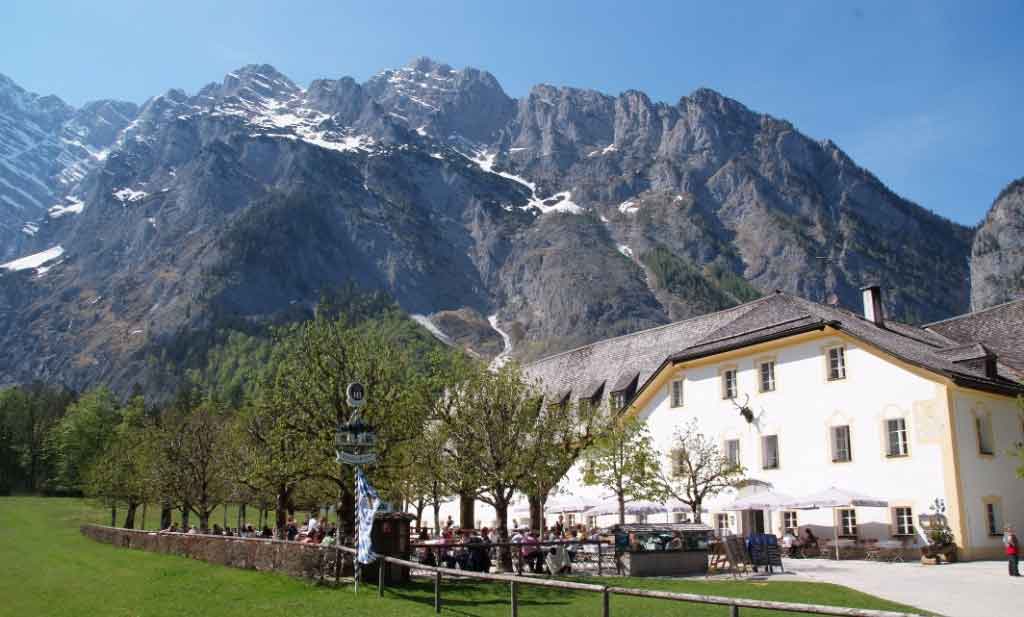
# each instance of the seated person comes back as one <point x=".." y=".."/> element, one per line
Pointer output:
<point x="328" y="539"/>
<point x="532" y="553"/>
<point x="810" y="539"/>
<point x="573" y="549"/>
<point x="676" y="543"/>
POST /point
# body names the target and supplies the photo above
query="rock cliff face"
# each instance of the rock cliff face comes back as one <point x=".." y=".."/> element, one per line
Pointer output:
<point x="997" y="257"/>
<point x="559" y="218"/>
<point x="46" y="148"/>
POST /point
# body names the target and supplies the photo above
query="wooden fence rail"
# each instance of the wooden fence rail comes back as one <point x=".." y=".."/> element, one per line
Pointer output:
<point x="110" y="535"/>
<point x="514" y="582"/>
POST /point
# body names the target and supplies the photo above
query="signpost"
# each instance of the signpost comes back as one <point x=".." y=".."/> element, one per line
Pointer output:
<point x="355" y="444"/>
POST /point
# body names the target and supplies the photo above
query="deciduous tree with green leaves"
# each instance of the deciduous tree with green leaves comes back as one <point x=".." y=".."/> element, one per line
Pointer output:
<point x="697" y="469"/>
<point x="320" y="358"/>
<point x="502" y="438"/>
<point x="81" y="436"/>
<point x="122" y="472"/>
<point x="623" y="461"/>
<point x="193" y="458"/>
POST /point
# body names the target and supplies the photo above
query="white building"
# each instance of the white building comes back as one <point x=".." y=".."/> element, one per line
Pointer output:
<point x="856" y="401"/>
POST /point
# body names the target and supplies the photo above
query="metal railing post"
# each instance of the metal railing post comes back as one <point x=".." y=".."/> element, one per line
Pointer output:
<point x="381" y="565"/>
<point x="437" y="591"/>
<point x="514" y="588"/>
<point x="734" y="611"/>
<point x="599" y="570"/>
<point x="606" y="603"/>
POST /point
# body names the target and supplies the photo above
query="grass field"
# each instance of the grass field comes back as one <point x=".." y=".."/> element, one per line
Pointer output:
<point x="48" y="569"/>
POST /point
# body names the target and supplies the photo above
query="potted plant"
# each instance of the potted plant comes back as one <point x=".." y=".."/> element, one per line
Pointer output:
<point x="940" y="548"/>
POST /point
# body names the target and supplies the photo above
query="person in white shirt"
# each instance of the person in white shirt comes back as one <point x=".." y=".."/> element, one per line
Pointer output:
<point x="312" y="525"/>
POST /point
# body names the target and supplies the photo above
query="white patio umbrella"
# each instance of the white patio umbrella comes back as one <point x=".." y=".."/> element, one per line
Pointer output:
<point x="765" y="500"/>
<point x="561" y="504"/>
<point x="610" y="505"/>
<point x="833" y="497"/>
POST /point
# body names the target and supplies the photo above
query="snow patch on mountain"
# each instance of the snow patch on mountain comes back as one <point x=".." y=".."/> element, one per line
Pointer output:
<point x="128" y="195"/>
<point x="35" y="260"/>
<point x="506" y="354"/>
<point x="629" y="207"/>
<point x="424" y="321"/>
<point x="74" y="206"/>
<point x="559" y="202"/>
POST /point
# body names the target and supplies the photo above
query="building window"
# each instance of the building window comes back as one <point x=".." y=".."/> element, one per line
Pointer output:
<point x="841" y="451"/>
<point x="896" y="430"/>
<point x="767" y="376"/>
<point x="618" y="400"/>
<point x="677" y="393"/>
<point x="591" y="522"/>
<point x="836" y="363"/>
<point x="729" y="383"/>
<point x="848" y="523"/>
<point x="986" y="438"/>
<point x="722" y="524"/>
<point x="994" y="519"/>
<point x="732" y="452"/>
<point x="904" y="518"/>
<point x="570" y="519"/>
<point x="770" y="452"/>
<point x="790" y="524"/>
<point x="679" y="517"/>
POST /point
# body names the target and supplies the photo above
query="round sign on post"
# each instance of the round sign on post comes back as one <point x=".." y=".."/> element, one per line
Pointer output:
<point x="355" y="394"/>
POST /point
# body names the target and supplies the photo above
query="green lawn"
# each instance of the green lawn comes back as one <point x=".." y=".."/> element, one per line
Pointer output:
<point x="48" y="569"/>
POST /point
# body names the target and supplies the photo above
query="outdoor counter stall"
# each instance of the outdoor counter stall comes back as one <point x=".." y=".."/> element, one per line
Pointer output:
<point x="649" y="555"/>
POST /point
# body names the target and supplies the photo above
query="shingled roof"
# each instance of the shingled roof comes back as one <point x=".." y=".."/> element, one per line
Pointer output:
<point x="772" y="317"/>
<point x="583" y="369"/>
<point x="999" y="328"/>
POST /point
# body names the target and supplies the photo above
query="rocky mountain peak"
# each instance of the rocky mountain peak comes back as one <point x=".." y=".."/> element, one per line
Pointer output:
<point x="432" y="98"/>
<point x="537" y="215"/>
<point x="423" y="64"/>
<point x="261" y="80"/>
<point x="997" y="256"/>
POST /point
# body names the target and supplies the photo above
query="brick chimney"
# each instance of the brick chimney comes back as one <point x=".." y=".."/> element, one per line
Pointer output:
<point x="872" y="295"/>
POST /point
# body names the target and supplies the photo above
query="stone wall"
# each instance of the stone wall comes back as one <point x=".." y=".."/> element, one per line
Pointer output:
<point x="292" y="558"/>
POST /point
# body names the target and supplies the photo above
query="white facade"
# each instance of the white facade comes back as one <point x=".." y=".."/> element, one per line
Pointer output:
<point x="938" y="454"/>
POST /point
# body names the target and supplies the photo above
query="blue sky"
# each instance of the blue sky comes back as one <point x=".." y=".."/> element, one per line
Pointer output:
<point x="927" y="95"/>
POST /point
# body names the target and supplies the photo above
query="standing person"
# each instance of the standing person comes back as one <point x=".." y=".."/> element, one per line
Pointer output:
<point x="559" y="529"/>
<point x="1011" y="544"/>
<point x="621" y="546"/>
<point x="449" y="523"/>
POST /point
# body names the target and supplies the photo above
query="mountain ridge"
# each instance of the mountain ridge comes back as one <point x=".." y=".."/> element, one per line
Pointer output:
<point x="571" y="214"/>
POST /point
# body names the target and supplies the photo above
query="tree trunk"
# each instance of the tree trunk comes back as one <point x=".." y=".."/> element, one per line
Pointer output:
<point x="437" y="518"/>
<point x="347" y="513"/>
<point x="536" y="514"/>
<point x="420" y="507"/>
<point x="185" y="513"/>
<point x="281" y="512"/>
<point x="504" y="553"/>
<point x="204" y="521"/>
<point x="467" y="511"/>
<point x="165" y="515"/>
<point x="622" y="509"/>
<point x="129" y="518"/>
<point x="143" y="525"/>
<point x="696" y="513"/>
<point x="113" y="515"/>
